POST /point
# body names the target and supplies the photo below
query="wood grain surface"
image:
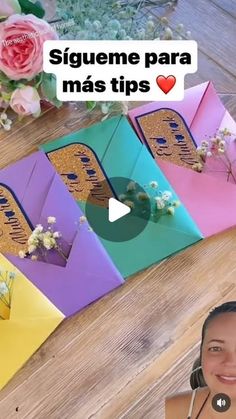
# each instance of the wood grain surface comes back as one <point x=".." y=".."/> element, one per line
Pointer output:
<point x="121" y="356"/>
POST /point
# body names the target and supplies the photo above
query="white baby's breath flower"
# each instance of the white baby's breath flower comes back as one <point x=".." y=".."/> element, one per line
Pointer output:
<point x="34" y="257"/>
<point x="3" y="289"/>
<point x="49" y="242"/>
<point x="52" y="220"/>
<point x="166" y="195"/>
<point x="33" y="240"/>
<point x="170" y="211"/>
<point x="3" y="116"/>
<point x="142" y="196"/>
<point x="168" y="33"/>
<point x="7" y="127"/>
<point x="160" y="203"/>
<point x="131" y="186"/>
<point x="38" y="229"/>
<point x="82" y="219"/>
<point x="176" y="204"/>
<point x="209" y="154"/>
<point x="129" y="203"/>
<point x="153" y="184"/>
<point x="47" y="234"/>
<point x="222" y="143"/>
<point x="56" y="235"/>
<point x="32" y="248"/>
<point x="22" y="254"/>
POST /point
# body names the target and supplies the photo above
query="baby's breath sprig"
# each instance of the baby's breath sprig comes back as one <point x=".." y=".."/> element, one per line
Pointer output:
<point x="5" y="122"/>
<point x="217" y="147"/>
<point x="116" y="20"/>
<point x="159" y="202"/>
<point x="43" y="240"/>
<point x="6" y="282"/>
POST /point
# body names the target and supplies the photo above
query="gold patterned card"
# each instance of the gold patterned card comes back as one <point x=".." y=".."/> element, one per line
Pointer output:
<point x="168" y="137"/>
<point x="15" y="227"/>
<point x="82" y="173"/>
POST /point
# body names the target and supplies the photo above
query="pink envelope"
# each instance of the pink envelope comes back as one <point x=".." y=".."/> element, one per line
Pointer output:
<point x="210" y="198"/>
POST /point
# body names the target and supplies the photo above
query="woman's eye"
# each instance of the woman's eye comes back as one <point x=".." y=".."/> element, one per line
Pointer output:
<point x="215" y="349"/>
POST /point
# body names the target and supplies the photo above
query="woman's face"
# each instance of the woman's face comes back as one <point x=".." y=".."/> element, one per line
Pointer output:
<point x="219" y="355"/>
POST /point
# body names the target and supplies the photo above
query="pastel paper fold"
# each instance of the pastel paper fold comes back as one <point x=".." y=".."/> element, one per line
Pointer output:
<point x="89" y="272"/>
<point x="32" y="319"/>
<point x="121" y="154"/>
<point x="209" y="198"/>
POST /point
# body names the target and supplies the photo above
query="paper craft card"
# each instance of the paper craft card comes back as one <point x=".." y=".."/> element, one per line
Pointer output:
<point x="27" y="318"/>
<point x="172" y="133"/>
<point x="112" y="148"/>
<point x="29" y="199"/>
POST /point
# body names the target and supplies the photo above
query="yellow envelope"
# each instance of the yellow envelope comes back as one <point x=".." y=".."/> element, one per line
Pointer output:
<point x="32" y="318"/>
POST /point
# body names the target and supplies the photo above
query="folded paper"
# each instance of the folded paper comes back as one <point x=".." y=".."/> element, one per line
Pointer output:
<point x="39" y="193"/>
<point x="210" y="197"/>
<point x="117" y="150"/>
<point x="32" y="318"/>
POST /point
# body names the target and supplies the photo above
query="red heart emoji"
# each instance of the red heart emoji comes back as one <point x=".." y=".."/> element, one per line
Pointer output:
<point x="166" y="83"/>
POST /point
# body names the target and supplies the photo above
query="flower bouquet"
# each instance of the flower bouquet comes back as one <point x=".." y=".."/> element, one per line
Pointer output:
<point x="23" y="84"/>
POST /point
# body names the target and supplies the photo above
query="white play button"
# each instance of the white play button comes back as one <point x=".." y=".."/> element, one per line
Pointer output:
<point x="117" y="210"/>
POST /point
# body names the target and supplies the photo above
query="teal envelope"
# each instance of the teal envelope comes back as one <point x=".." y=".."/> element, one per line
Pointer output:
<point x="117" y="149"/>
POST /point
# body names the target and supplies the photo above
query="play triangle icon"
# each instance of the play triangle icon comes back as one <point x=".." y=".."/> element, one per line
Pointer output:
<point x="117" y="210"/>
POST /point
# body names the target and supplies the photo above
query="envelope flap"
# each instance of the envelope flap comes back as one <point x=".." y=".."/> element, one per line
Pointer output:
<point x="210" y="201"/>
<point x="188" y="107"/>
<point x="26" y="300"/>
<point x="208" y="117"/>
<point x="32" y="319"/>
<point x="25" y="168"/>
<point x="88" y="136"/>
<point x="88" y="275"/>
<point x="126" y="149"/>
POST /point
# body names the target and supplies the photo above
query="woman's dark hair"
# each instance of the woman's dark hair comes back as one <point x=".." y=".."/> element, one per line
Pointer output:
<point x="197" y="378"/>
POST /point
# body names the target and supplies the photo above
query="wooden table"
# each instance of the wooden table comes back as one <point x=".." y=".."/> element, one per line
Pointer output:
<point x="121" y="356"/>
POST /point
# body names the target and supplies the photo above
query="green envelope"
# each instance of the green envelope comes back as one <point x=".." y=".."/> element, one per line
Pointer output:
<point x="115" y="145"/>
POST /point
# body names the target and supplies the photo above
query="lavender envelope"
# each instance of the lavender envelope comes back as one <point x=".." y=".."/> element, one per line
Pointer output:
<point x="89" y="272"/>
<point x="209" y="197"/>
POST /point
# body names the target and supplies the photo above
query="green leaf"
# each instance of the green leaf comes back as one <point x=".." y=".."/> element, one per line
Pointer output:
<point x="48" y="88"/>
<point x="90" y="105"/>
<point x="6" y="96"/>
<point x="28" y="7"/>
<point x="3" y="77"/>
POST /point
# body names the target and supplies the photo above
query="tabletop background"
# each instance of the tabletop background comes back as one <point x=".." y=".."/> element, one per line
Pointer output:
<point x="121" y="356"/>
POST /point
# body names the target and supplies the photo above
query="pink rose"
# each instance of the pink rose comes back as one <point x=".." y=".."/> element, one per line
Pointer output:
<point x="9" y="7"/>
<point x="26" y="101"/>
<point x="21" y="47"/>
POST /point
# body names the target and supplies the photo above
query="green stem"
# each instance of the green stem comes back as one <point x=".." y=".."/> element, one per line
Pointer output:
<point x="40" y="81"/>
<point x="61" y="253"/>
<point x="230" y="167"/>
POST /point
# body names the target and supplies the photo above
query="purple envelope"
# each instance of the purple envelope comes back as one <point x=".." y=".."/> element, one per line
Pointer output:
<point x="30" y="191"/>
